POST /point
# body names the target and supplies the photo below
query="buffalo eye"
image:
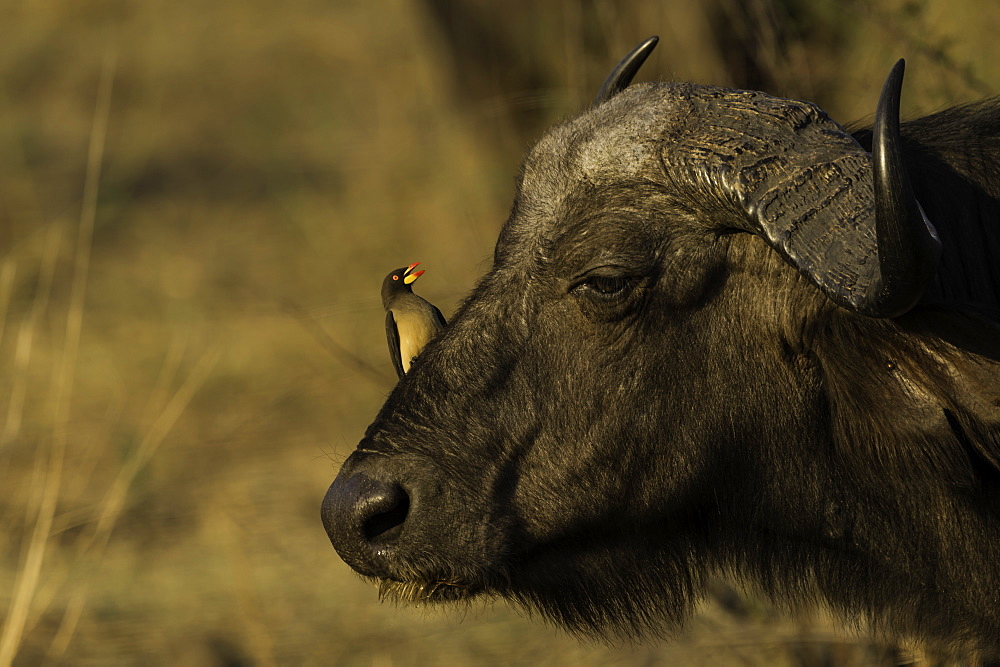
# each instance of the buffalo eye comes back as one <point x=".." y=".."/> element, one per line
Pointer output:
<point x="606" y="286"/>
<point x="605" y="293"/>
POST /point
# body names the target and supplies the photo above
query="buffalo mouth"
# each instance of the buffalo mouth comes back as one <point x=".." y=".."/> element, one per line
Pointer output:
<point x="431" y="590"/>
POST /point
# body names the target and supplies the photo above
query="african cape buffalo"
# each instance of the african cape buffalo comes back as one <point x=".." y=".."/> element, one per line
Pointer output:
<point x="721" y="335"/>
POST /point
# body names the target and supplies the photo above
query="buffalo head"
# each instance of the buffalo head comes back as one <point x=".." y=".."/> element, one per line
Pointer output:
<point x="636" y="394"/>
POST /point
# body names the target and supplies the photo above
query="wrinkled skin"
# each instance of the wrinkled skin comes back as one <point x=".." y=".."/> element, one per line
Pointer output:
<point x="639" y="395"/>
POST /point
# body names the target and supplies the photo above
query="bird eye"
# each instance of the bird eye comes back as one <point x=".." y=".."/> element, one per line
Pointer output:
<point x="395" y="277"/>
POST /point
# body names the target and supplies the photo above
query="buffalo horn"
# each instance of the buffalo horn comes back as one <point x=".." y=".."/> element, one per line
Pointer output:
<point x="623" y="73"/>
<point x="846" y="219"/>
<point x="908" y="246"/>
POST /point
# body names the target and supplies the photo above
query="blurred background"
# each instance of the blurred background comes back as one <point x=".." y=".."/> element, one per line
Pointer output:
<point x="198" y="203"/>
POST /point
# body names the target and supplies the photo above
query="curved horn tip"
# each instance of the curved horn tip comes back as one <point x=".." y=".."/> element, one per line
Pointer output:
<point x="892" y="87"/>
<point x="623" y="73"/>
<point x="908" y="245"/>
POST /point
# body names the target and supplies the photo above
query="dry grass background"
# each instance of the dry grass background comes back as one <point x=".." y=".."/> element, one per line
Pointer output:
<point x="198" y="202"/>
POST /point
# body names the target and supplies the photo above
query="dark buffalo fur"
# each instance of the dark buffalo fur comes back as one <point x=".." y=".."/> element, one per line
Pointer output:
<point x="596" y="443"/>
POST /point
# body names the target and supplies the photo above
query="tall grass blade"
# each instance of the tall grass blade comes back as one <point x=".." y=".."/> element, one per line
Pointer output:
<point x="30" y="571"/>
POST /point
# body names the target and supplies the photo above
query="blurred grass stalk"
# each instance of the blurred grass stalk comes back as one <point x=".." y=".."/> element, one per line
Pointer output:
<point x="92" y="545"/>
<point x="28" y="575"/>
<point x="42" y="506"/>
<point x="8" y="271"/>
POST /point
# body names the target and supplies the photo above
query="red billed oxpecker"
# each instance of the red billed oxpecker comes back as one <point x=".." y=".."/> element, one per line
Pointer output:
<point x="410" y="321"/>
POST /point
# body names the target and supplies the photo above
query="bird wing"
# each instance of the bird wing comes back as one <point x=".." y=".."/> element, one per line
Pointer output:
<point x="392" y="336"/>
<point x="438" y="317"/>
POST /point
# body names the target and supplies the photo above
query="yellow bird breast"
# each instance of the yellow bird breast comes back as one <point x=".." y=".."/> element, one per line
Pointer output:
<point x="415" y="329"/>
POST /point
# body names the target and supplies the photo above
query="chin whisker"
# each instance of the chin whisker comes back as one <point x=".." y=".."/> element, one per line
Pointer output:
<point x="420" y="592"/>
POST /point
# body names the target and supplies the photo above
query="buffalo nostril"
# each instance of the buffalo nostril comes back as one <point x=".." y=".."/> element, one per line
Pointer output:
<point x="386" y="522"/>
<point x="362" y="516"/>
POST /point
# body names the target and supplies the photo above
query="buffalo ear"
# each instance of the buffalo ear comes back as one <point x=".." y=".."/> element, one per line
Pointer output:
<point x="623" y="73"/>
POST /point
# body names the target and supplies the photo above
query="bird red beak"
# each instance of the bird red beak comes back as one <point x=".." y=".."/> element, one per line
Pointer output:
<point x="410" y="277"/>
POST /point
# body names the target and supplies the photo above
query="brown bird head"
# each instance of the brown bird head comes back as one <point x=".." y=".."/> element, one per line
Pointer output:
<point x="399" y="281"/>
